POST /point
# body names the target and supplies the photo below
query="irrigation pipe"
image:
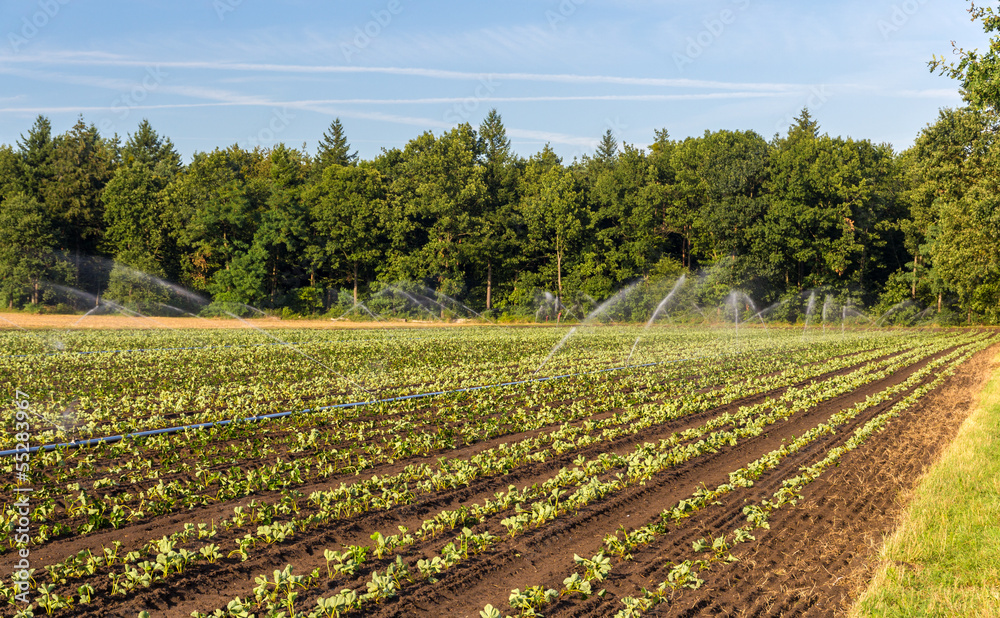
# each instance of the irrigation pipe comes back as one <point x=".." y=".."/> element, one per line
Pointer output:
<point x="355" y="404"/>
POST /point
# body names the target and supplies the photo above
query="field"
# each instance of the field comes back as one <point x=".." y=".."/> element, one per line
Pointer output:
<point x="662" y="472"/>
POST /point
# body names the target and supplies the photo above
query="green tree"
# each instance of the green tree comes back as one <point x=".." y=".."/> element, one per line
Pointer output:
<point x="10" y="173"/>
<point x="146" y="147"/>
<point x="977" y="72"/>
<point x="497" y="241"/>
<point x="553" y="214"/>
<point x="718" y="197"/>
<point x="947" y="158"/>
<point x="136" y="233"/>
<point x="833" y="213"/>
<point x="27" y="250"/>
<point x="133" y="215"/>
<point x="283" y="232"/>
<point x="624" y="237"/>
<point x="953" y="220"/>
<point x="806" y="234"/>
<point x="35" y="150"/>
<point x="440" y="189"/>
<point x="82" y="164"/>
<point x="670" y="226"/>
<point x="213" y="209"/>
<point x="607" y="148"/>
<point x="347" y="208"/>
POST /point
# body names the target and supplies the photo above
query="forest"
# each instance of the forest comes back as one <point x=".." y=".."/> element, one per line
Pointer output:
<point x="86" y="216"/>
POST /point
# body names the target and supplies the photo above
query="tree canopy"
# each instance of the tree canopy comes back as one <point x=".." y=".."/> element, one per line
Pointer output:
<point x="462" y="214"/>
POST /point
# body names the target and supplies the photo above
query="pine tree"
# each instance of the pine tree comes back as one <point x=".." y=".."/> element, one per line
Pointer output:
<point x="607" y="149"/>
<point x="35" y="152"/>
<point x="495" y="143"/>
<point x="495" y="244"/>
<point x="334" y="148"/>
<point x="805" y="127"/>
<point x="145" y="146"/>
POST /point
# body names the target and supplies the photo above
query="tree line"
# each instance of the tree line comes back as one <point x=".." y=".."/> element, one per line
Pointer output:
<point x="463" y="214"/>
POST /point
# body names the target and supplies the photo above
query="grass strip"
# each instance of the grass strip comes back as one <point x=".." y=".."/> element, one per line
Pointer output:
<point x="944" y="558"/>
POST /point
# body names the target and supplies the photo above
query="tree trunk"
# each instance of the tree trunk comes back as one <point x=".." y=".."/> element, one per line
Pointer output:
<point x="558" y="286"/>
<point x="914" y="291"/>
<point x="489" y="285"/>
<point x="939" y="302"/>
<point x="355" y="283"/>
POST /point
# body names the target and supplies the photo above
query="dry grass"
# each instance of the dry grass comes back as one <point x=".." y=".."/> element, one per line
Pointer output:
<point x="26" y="320"/>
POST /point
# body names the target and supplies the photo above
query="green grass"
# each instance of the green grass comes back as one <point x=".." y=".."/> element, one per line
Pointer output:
<point x="944" y="560"/>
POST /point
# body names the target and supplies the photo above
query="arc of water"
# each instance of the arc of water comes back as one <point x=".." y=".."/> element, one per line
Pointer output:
<point x="355" y="307"/>
<point x="415" y="301"/>
<point x="187" y="313"/>
<point x="14" y="324"/>
<point x="103" y="302"/>
<point x="179" y="290"/>
<point x="753" y="307"/>
<point x="893" y="309"/>
<point x="760" y="314"/>
<point x="468" y="308"/>
<point x="443" y="308"/>
<point x="810" y="309"/>
<point x="826" y="306"/>
<point x="923" y="314"/>
<point x="429" y="292"/>
<point x="369" y="312"/>
<point x="593" y="314"/>
<point x="733" y="300"/>
<point x="660" y="307"/>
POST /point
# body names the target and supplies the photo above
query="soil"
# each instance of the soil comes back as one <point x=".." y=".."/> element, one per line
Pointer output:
<point x="814" y="559"/>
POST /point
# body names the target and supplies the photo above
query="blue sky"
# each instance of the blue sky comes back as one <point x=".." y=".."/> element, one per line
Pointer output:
<point x="210" y="73"/>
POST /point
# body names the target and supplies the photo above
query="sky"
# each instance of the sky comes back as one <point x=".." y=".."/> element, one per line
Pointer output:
<point x="212" y="73"/>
